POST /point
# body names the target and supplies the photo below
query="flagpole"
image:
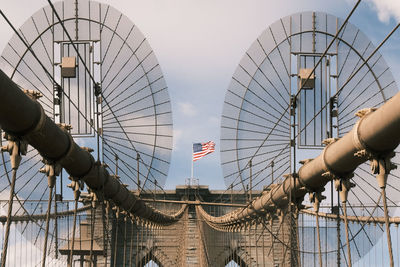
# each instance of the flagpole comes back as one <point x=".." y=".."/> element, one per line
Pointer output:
<point x="192" y="162"/>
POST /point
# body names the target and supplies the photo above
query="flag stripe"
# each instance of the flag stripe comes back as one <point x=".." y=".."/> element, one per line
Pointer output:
<point x="202" y="149"/>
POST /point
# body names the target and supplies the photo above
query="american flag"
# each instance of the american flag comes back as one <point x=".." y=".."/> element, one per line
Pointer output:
<point x="202" y="149"/>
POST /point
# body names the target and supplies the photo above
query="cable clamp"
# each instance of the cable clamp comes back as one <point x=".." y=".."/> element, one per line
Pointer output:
<point x="15" y="147"/>
<point x="51" y="169"/>
<point x="316" y="197"/>
<point x="33" y="94"/>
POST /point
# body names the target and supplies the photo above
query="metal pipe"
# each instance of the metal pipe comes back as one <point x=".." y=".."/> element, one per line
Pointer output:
<point x="24" y="118"/>
<point x="377" y="131"/>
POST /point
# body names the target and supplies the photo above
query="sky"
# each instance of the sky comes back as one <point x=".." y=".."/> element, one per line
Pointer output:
<point x="199" y="45"/>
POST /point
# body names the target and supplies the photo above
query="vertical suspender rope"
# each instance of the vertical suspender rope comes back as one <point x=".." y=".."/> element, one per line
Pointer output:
<point x="343" y="185"/>
<point x="105" y="230"/>
<point x="8" y="222"/>
<point x="389" y="240"/>
<point x="316" y="198"/>
<point x="247" y="236"/>
<point x="125" y="222"/>
<point x="52" y="170"/>
<point x="92" y="227"/>
<point x="346" y="223"/>
<point x="15" y="148"/>
<point x="319" y="240"/>
<point x="55" y="222"/>
<point x="116" y="236"/>
<point x="382" y="167"/>
<point x="263" y="244"/>
<point x="131" y="246"/>
<point x="256" y="240"/>
<point x="47" y="226"/>
<point x="137" y="244"/>
<point x="71" y="254"/>
<point x="146" y="242"/>
<point x="141" y="243"/>
<point x="338" y="233"/>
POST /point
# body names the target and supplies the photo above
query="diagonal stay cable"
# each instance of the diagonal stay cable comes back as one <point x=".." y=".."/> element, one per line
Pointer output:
<point x="328" y="47"/>
<point x="313" y="70"/>
<point x="47" y="72"/>
<point x="352" y="76"/>
<point x="94" y="82"/>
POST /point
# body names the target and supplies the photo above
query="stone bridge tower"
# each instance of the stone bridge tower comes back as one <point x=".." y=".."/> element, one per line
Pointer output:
<point x="191" y="241"/>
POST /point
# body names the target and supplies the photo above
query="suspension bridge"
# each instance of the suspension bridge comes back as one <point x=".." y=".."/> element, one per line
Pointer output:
<point x="309" y="134"/>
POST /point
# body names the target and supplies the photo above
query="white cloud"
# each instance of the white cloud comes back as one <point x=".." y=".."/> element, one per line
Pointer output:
<point x="387" y="9"/>
<point x="188" y="109"/>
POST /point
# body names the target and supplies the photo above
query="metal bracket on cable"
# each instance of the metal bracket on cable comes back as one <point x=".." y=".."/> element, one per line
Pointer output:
<point x="15" y="147"/>
<point x="33" y="94"/>
<point x="66" y="127"/>
<point x="381" y="166"/>
<point x="51" y="169"/>
<point x="77" y="186"/>
<point x="316" y="197"/>
<point x="281" y="215"/>
<point x="93" y="196"/>
<point x="343" y="185"/>
<point x="380" y="161"/>
<point x="125" y="215"/>
<point x="363" y="150"/>
<point x="117" y="211"/>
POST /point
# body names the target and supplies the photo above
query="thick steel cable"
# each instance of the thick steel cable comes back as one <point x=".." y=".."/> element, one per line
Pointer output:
<point x="46" y="233"/>
<point x="346" y="224"/>
<point x="43" y="67"/>
<point x="313" y="70"/>
<point x="353" y="74"/>
<point x="4" y="218"/>
<point x="94" y="82"/>
<point x="55" y="82"/>
<point x="351" y="77"/>
<point x="318" y="240"/>
<point x="151" y="214"/>
<point x="377" y="48"/>
<point x="8" y="223"/>
<point x="71" y="254"/>
<point x="389" y="239"/>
